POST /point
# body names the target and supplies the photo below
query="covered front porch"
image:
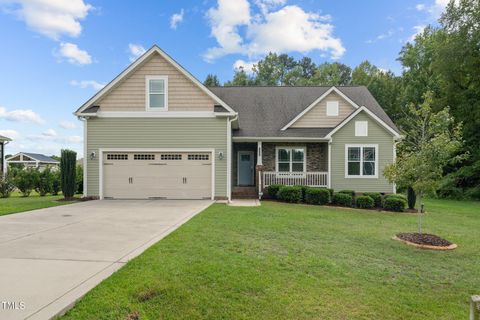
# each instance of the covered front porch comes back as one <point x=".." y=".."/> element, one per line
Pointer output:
<point x="256" y="165"/>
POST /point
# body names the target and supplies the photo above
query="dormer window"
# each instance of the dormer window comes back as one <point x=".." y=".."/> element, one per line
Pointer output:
<point x="156" y="93"/>
<point x="332" y="108"/>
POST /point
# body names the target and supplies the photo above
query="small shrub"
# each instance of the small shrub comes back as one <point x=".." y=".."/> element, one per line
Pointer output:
<point x="44" y="182"/>
<point x="342" y="199"/>
<point x="365" y="202"/>
<point x="6" y="186"/>
<point x="395" y="204"/>
<point x="26" y="180"/>
<point x="79" y="179"/>
<point x="350" y="192"/>
<point x="396" y="195"/>
<point x="273" y="190"/>
<point x="304" y="192"/>
<point x="376" y="196"/>
<point x="317" y="196"/>
<point x="411" y="198"/>
<point x="68" y="166"/>
<point x="292" y="194"/>
<point x="56" y="180"/>
<point x="331" y="193"/>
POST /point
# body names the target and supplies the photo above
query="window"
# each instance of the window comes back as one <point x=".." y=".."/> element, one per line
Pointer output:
<point x="332" y="108"/>
<point x="143" y="157"/>
<point x="290" y="159"/>
<point x="117" y="156"/>
<point x="361" y="161"/>
<point x="157" y="93"/>
<point x="361" y="128"/>
<point x="203" y="157"/>
<point x="170" y="156"/>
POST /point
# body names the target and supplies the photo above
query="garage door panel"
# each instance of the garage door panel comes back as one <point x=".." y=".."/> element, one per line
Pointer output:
<point x="157" y="175"/>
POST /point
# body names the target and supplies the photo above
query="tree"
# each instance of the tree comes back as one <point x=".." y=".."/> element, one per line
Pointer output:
<point x="211" y="81"/>
<point x="44" y="183"/>
<point x="26" y="180"/>
<point x="273" y="69"/>
<point x="383" y="85"/>
<point x="332" y="74"/>
<point x="432" y="140"/>
<point x="68" y="163"/>
<point x="240" y="78"/>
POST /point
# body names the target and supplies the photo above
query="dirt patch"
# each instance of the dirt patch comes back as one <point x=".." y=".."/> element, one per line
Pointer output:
<point x="425" y="241"/>
<point x="133" y="316"/>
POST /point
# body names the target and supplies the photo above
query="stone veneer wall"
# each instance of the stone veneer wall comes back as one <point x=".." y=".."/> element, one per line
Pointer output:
<point x="317" y="154"/>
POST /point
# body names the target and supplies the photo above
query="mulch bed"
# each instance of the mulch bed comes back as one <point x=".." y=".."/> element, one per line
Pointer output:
<point x="425" y="241"/>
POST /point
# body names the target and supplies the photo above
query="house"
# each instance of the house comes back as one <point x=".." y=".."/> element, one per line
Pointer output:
<point x="155" y="131"/>
<point x="33" y="160"/>
<point x="3" y="142"/>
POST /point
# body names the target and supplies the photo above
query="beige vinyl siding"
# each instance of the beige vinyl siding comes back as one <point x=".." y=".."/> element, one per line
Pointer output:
<point x="195" y="133"/>
<point x="376" y="135"/>
<point x="317" y="116"/>
<point x="129" y="94"/>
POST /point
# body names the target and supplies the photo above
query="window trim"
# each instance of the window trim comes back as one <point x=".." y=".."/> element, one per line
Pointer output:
<point x="361" y="146"/>
<point x="337" y="106"/>
<point x="290" y="161"/>
<point x="357" y="131"/>
<point x="147" y="93"/>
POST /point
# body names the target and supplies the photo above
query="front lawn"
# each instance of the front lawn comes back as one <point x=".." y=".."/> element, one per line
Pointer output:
<point x="281" y="261"/>
<point x="16" y="203"/>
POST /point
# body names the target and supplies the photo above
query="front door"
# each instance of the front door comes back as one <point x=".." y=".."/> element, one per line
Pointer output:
<point x="245" y="168"/>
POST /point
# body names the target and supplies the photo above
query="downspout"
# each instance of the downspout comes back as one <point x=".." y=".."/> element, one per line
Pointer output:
<point x="229" y="157"/>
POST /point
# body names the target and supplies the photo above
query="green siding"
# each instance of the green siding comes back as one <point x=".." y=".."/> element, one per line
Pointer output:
<point x="376" y="135"/>
<point x="157" y="133"/>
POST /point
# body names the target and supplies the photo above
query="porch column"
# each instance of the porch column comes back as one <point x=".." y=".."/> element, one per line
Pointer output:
<point x="259" y="169"/>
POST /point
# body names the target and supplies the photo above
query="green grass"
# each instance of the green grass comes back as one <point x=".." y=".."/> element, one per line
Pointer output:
<point x="281" y="261"/>
<point x="16" y="203"/>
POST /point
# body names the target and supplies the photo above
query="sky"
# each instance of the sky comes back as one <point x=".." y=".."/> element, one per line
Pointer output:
<point x="55" y="54"/>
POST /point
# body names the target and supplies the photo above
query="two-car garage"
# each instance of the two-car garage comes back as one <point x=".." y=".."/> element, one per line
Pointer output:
<point x="157" y="175"/>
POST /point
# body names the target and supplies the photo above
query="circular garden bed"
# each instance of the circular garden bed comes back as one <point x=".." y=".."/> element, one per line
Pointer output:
<point x="425" y="241"/>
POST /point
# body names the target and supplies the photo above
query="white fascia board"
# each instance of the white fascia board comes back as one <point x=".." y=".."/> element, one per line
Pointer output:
<point x="371" y="114"/>
<point x="332" y="89"/>
<point x="278" y="139"/>
<point x="145" y="56"/>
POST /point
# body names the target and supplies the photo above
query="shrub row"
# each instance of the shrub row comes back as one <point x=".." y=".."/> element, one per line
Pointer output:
<point x="43" y="182"/>
<point x="345" y="198"/>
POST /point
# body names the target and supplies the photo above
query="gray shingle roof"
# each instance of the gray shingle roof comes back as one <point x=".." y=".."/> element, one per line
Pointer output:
<point x="264" y="111"/>
<point x="40" y="157"/>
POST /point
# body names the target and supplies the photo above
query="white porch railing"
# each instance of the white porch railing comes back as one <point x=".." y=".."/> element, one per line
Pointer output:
<point x="312" y="179"/>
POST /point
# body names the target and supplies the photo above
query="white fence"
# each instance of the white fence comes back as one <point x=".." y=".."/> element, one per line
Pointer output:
<point x="312" y="179"/>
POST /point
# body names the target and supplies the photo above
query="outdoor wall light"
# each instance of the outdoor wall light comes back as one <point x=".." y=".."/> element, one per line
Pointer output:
<point x="220" y="155"/>
<point x="92" y="155"/>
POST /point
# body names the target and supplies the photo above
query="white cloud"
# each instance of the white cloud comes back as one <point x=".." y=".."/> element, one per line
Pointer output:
<point x="74" y="54"/>
<point x="288" y="29"/>
<point x="67" y="125"/>
<point x="436" y="9"/>
<point x="417" y="30"/>
<point x="73" y="139"/>
<point x="87" y="83"/>
<point x="224" y="21"/>
<point x="382" y="36"/>
<point x="136" y="51"/>
<point x="12" y="134"/>
<point x="51" y="18"/>
<point x="247" y="66"/>
<point x="49" y="133"/>
<point x="21" y="115"/>
<point x="176" y="18"/>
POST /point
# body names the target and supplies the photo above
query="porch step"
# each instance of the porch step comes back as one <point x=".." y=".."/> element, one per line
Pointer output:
<point x="244" y="192"/>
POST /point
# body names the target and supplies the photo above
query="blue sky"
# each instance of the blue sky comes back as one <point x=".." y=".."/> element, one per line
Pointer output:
<point x="56" y="54"/>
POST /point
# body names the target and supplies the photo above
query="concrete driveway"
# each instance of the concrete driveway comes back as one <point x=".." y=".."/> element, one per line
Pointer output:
<point x="51" y="257"/>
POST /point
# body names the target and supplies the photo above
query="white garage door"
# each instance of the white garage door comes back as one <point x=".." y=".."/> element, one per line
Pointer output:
<point x="157" y="175"/>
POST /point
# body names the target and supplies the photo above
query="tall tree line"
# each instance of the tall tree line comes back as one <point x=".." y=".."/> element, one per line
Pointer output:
<point x="443" y="61"/>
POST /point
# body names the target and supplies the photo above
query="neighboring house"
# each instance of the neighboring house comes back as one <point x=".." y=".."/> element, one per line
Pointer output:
<point x="157" y="132"/>
<point x="33" y="160"/>
<point x="3" y="142"/>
